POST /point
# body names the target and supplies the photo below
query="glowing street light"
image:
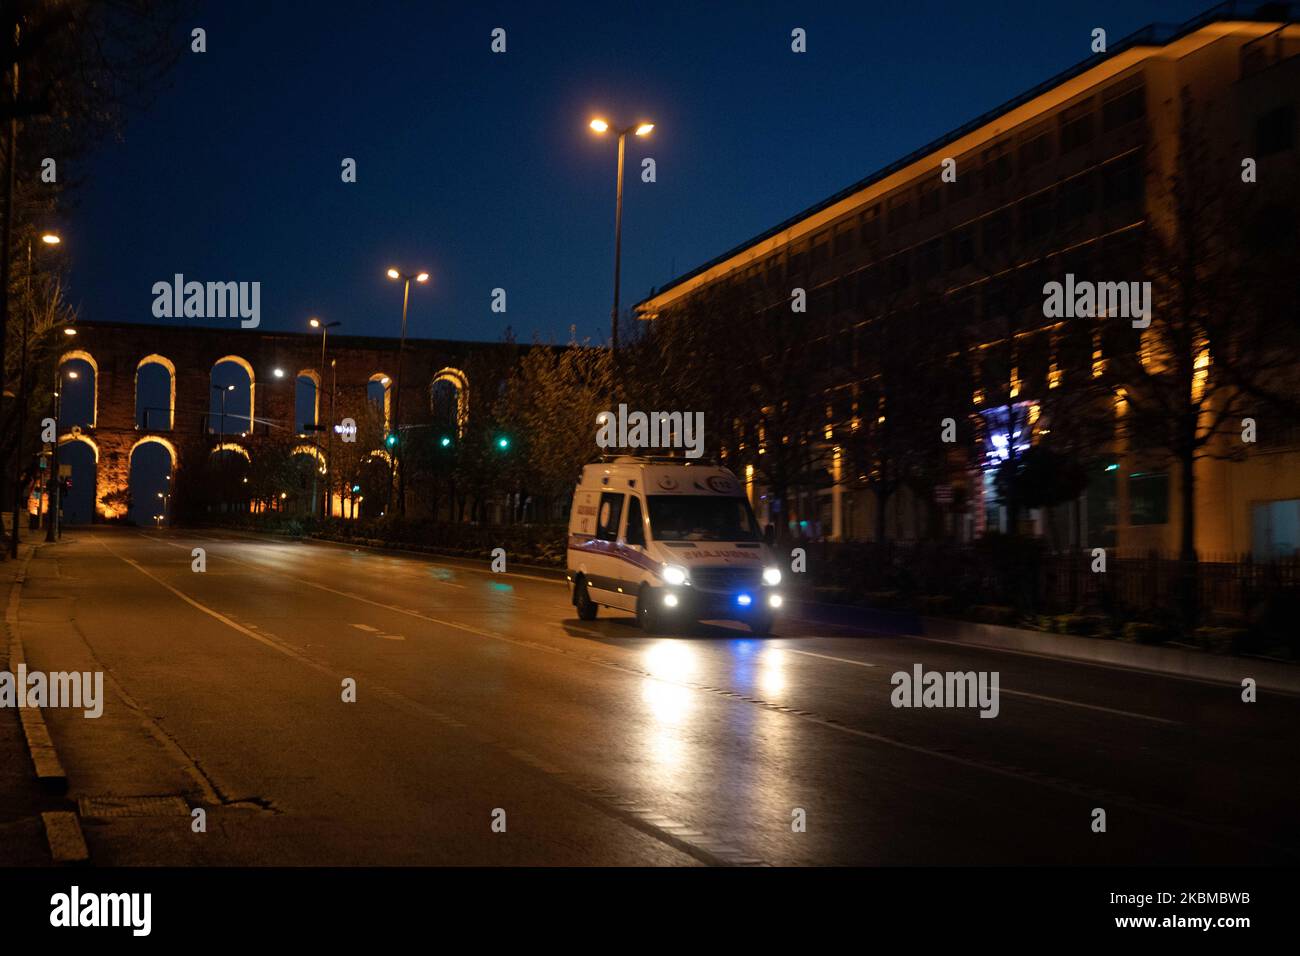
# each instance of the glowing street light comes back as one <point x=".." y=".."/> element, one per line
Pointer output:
<point x="406" y="278"/>
<point x="324" y="327"/>
<point x="643" y="128"/>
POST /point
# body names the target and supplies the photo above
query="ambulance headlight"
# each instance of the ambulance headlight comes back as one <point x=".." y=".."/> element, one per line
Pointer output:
<point x="674" y="575"/>
<point x="772" y="576"/>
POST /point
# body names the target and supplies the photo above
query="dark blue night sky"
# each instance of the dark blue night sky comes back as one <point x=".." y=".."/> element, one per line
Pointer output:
<point x="480" y="167"/>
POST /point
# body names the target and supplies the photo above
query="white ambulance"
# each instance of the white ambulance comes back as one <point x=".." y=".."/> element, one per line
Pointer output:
<point x="673" y="541"/>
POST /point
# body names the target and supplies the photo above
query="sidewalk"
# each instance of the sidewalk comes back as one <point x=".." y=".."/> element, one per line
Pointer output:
<point x="1171" y="661"/>
<point x="22" y="835"/>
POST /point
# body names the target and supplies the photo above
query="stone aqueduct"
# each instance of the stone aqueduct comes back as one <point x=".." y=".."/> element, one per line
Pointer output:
<point x="117" y="352"/>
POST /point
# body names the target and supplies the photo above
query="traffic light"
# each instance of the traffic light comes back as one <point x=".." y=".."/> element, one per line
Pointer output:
<point x="503" y="443"/>
<point x="445" y="441"/>
<point x="391" y="440"/>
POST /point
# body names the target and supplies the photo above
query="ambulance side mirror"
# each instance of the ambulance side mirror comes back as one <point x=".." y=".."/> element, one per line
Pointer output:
<point x="769" y="535"/>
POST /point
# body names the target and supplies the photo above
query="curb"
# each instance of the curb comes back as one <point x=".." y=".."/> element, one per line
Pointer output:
<point x="63" y="833"/>
<point x="62" y="827"/>
<point x="49" y="771"/>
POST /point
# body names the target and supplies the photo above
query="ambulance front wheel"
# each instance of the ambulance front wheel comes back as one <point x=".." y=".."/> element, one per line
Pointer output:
<point x="648" y="613"/>
<point x="587" y="608"/>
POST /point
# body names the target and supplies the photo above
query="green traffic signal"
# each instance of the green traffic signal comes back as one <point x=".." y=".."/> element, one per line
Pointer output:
<point x="503" y="442"/>
<point x="391" y="440"/>
<point x="445" y="441"/>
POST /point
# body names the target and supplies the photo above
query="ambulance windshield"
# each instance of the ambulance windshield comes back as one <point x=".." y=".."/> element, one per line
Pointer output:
<point x="701" y="518"/>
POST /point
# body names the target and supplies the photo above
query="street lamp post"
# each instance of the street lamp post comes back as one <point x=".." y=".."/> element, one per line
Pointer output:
<point x="329" y="437"/>
<point x="320" y="383"/>
<point x="53" y="528"/>
<point x="640" y="129"/>
<point x="397" y="389"/>
<point x="50" y="239"/>
<point x="222" y="389"/>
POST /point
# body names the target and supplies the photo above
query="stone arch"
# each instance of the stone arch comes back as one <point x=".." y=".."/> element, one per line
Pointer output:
<point x="387" y="381"/>
<point x="78" y="436"/>
<point x="314" y="452"/>
<point x="156" y="359"/>
<point x="252" y="384"/>
<point x="315" y="378"/>
<point x="460" y="382"/>
<point x="237" y="448"/>
<point x="144" y="484"/>
<point x="76" y="507"/>
<point x="84" y="356"/>
<point x="171" y="449"/>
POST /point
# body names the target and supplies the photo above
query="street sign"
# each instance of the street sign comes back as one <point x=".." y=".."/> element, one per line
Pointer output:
<point x="65" y="471"/>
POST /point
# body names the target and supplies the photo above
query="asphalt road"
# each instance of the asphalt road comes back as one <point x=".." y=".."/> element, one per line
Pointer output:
<point x="482" y="698"/>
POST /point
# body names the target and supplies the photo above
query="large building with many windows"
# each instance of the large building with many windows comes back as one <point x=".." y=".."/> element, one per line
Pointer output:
<point x="960" y="238"/>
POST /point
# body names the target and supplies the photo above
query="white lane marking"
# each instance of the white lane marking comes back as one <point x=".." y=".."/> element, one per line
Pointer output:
<point x="828" y="657"/>
<point x="366" y="627"/>
<point x="1077" y="703"/>
<point x="1072" y="661"/>
<point x="217" y="615"/>
<point x="1017" y="693"/>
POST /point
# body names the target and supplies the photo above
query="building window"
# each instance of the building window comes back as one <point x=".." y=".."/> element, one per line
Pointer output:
<point x="930" y="199"/>
<point x="961" y="247"/>
<point x="929" y="259"/>
<point x="1039" y="213"/>
<point x="869" y="226"/>
<point x="968" y="176"/>
<point x="1123" y="108"/>
<point x="798" y="264"/>
<point x="900" y="213"/>
<point x="898" y="274"/>
<point x="1275" y="530"/>
<point x="1122" y="181"/>
<point x="1076" y="127"/>
<point x="1148" y="498"/>
<point x="1076" y="198"/>
<point x="1036" y="150"/>
<point x="843" y="239"/>
<point x="1275" y="130"/>
<point x="995" y="234"/>
<point x="997" y="167"/>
